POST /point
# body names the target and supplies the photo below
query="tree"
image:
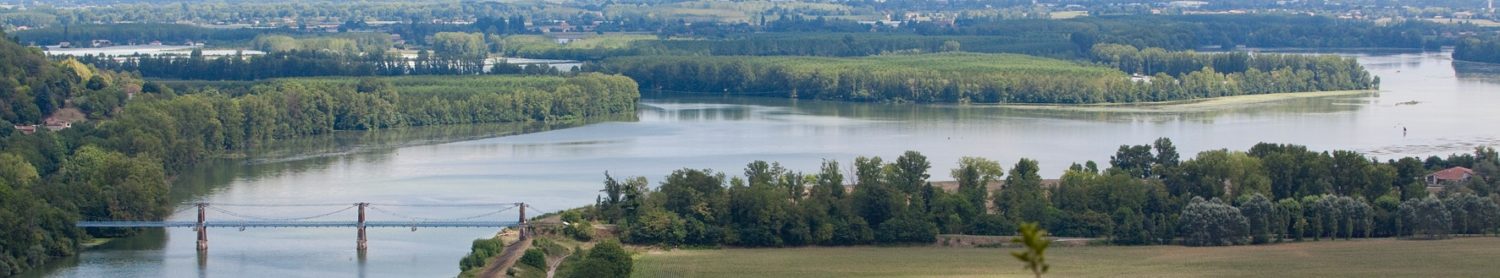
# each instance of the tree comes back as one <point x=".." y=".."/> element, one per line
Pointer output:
<point x="974" y="174"/>
<point x="607" y="259"/>
<point x="1291" y="221"/>
<point x="1259" y="212"/>
<point x="1212" y="223"/>
<point x="1166" y="154"/>
<point x="1021" y="198"/>
<point x="951" y="46"/>
<point x="911" y="172"/>
<point x="1035" y="240"/>
<point x="909" y="227"/>
<point x="1129" y="228"/>
<point x="656" y="226"/>
<point x="873" y="199"/>
<point x="534" y="257"/>
<point x="1135" y="160"/>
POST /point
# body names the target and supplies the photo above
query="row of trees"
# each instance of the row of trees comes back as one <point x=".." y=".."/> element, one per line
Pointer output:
<point x="986" y="78"/>
<point x="1142" y="198"/>
<point x="1256" y="220"/>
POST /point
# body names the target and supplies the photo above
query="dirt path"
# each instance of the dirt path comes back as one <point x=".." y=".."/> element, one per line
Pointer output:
<point x="552" y="265"/>
<point x="497" y="266"/>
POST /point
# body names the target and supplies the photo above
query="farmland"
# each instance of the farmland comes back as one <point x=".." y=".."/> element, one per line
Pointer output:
<point x="1466" y="257"/>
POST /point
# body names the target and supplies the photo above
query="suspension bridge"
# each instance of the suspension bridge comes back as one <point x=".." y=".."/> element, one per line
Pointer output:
<point x="244" y="220"/>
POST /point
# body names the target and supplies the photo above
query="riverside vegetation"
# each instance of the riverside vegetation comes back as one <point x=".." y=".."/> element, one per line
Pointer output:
<point x="1146" y="195"/>
<point x="1485" y="50"/>
<point x="999" y="78"/>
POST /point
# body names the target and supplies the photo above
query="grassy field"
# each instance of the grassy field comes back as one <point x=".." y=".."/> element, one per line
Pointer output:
<point x="1068" y="14"/>
<point x="1467" y="257"/>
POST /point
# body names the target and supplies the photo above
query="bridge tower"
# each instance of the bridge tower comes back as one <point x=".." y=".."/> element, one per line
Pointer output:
<point x="362" y="245"/>
<point x="202" y="229"/>
<point x="522" y="223"/>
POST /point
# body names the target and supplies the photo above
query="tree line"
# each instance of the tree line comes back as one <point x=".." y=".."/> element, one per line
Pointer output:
<point x="137" y="33"/>
<point x="996" y="78"/>
<point x="1225" y="31"/>
<point x="1146" y="195"/>
<point x="300" y="63"/>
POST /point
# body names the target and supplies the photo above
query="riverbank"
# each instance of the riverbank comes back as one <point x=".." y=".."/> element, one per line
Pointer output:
<point x="1463" y="257"/>
<point x="1192" y="105"/>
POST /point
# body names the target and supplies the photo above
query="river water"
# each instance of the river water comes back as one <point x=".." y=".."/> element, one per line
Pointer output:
<point x="1445" y="108"/>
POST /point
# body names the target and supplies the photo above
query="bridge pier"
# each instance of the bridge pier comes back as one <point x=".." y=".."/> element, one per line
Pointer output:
<point x="362" y="245"/>
<point x="202" y="229"/>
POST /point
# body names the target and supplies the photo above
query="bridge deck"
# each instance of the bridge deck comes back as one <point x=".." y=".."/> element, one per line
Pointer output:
<point x="296" y="224"/>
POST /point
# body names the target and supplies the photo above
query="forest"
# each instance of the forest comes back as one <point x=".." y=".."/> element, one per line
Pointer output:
<point x="1147" y="194"/>
<point x="1485" y="50"/>
<point x="115" y="165"/>
<point x="51" y="179"/>
<point x="997" y="78"/>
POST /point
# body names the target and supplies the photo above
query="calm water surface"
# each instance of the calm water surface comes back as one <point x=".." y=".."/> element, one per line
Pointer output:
<point x="1446" y="108"/>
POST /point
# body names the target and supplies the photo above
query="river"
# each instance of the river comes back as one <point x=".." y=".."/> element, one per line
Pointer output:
<point x="1445" y="109"/>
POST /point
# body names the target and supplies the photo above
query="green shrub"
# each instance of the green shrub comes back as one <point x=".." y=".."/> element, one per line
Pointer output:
<point x="534" y="257"/>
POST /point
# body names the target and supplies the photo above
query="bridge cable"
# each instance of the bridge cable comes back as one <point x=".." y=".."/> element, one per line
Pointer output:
<point x="231" y="213"/>
<point x="427" y="219"/>
<point x="446" y="205"/>
<point x="281" y="205"/>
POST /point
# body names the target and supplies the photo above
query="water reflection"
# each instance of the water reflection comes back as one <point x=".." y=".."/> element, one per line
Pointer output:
<point x="1477" y="72"/>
